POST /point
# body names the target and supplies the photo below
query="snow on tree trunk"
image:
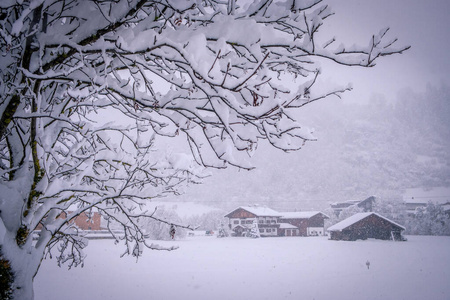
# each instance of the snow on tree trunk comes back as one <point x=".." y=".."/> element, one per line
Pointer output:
<point x="24" y="262"/>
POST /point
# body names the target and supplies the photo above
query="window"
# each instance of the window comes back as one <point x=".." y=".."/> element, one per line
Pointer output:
<point x="261" y="221"/>
<point x="268" y="221"/>
<point x="261" y="230"/>
<point x="273" y="221"/>
<point x="236" y="221"/>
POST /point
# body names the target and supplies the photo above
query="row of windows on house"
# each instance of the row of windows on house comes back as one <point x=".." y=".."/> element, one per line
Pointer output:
<point x="260" y="221"/>
<point x="268" y="230"/>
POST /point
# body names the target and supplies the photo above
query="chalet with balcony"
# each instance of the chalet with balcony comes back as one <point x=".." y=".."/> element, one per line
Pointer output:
<point x="244" y="218"/>
<point x="308" y="223"/>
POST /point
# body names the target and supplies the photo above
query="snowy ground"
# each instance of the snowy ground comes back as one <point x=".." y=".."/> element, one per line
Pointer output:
<point x="266" y="268"/>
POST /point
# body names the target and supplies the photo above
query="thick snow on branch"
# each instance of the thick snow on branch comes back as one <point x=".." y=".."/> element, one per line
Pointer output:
<point x="90" y="88"/>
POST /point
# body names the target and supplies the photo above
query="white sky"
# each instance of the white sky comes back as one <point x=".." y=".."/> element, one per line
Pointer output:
<point x="424" y="25"/>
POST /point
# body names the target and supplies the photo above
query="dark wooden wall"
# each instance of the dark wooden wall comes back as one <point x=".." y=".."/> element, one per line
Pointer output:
<point x="303" y="224"/>
<point x="240" y="214"/>
<point x="372" y="226"/>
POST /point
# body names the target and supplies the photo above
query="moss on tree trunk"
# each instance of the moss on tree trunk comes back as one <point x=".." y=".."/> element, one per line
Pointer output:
<point x="6" y="278"/>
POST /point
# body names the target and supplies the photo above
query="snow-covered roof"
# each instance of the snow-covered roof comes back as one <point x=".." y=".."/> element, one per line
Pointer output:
<point x="446" y="207"/>
<point x="287" y="226"/>
<point x="356" y="218"/>
<point x="260" y="211"/>
<point x="438" y="195"/>
<point x="347" y="202"/>
<point x="301" y="214"/>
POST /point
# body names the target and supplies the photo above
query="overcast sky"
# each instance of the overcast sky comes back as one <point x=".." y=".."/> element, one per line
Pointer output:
<point x="423" y="25"/>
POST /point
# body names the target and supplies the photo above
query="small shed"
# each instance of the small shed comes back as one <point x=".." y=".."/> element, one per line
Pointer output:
<point x="287" y="229"/>
<point x="366" y="225"/>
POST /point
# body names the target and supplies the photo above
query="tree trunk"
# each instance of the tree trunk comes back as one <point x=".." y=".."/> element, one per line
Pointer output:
<point x="20" y="257"/>
<point x="23" y="263"/>
<point x="22" y="287"/>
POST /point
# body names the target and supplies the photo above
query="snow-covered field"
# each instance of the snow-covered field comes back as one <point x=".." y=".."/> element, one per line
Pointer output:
<point x="267" y="268"/>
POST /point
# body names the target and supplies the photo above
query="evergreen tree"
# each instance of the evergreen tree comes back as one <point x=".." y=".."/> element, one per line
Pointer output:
<point x="254" y="230"/>
<point x="222" y="231"/>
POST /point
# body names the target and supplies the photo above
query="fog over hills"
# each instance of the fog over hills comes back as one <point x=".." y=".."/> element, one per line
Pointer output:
<point x="377" y="148"/>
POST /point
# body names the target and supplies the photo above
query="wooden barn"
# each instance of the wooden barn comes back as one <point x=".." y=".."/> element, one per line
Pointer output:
<point x="362" y="226"/>
<point x="309" y="223"/>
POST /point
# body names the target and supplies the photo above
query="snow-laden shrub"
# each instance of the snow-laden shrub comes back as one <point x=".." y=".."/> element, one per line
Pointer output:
<point x="429" y="220"/>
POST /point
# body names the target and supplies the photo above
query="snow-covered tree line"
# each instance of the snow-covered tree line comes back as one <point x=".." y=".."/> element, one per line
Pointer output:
<point x="89" y="88"/>
<point x="429" y="220"/>
<point x="156" y="230"/>
<point x="212" y="220"/>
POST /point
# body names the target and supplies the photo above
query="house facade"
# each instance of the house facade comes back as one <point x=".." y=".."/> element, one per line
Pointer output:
<point x="244" y="218"/>
<point x="89" y="221"/>
<point x="308" y="223"/>
<point x="84" y="221"/>
<point x="362" y="226"/>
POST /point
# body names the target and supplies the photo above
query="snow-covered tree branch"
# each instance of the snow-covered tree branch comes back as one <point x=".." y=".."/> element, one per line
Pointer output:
<point x="88" y="88"/>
